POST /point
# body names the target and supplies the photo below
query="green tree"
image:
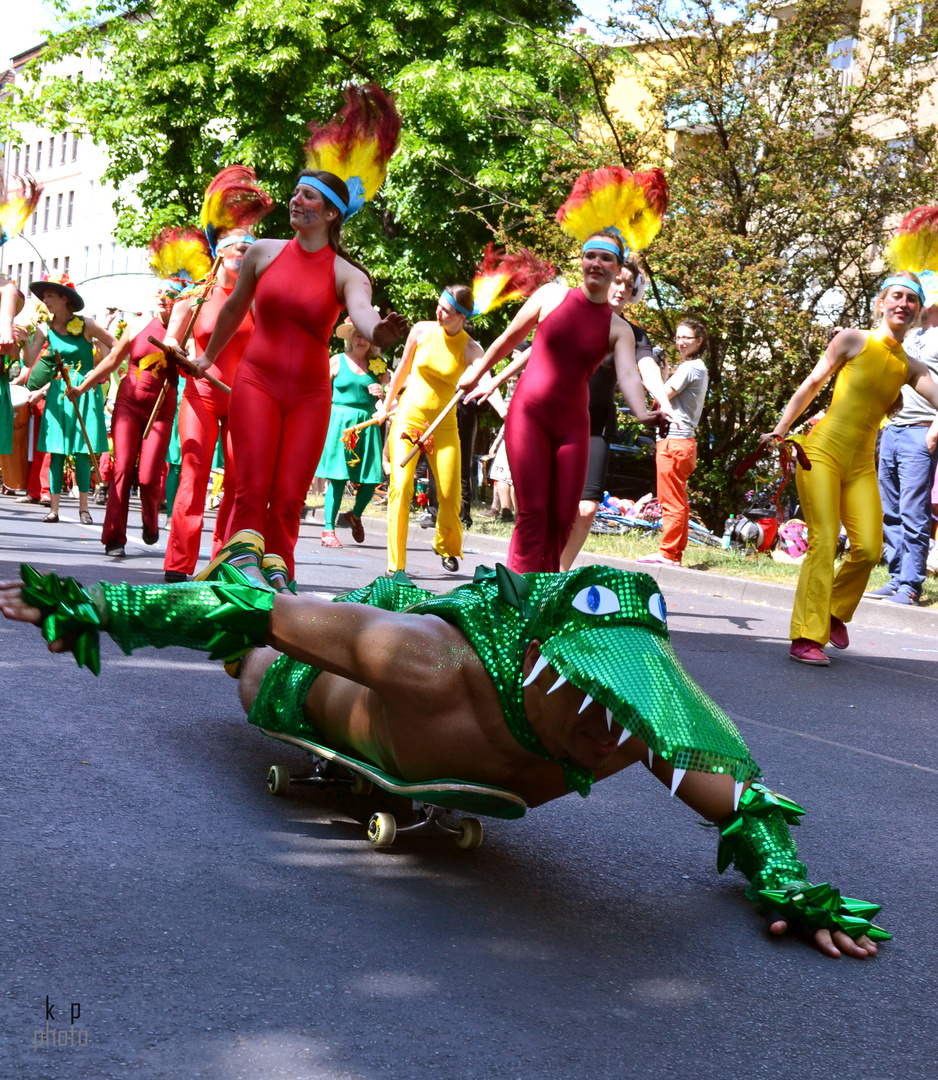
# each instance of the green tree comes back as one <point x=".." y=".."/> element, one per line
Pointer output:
<point x="792" y="148"/>
<point x="491" y="125"/>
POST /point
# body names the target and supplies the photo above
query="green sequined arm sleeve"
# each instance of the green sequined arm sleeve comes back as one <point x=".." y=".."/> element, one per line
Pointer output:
<point x="756" y="839"/>
<point x="225" y="618"/>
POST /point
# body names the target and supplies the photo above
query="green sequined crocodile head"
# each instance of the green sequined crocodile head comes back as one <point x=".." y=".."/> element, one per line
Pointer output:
<point x="605" y="631"/>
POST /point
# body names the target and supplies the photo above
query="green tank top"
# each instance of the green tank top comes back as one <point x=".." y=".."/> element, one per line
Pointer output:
<point x="351" y="389"/>
<point x="76" y="351"/>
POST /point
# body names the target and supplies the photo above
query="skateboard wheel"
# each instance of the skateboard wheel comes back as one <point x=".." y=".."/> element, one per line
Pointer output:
<point x="361" y="785"/>
<point x="382" y="828"/>
<point x="278" y="780"/>
<point x="470" y="833"/>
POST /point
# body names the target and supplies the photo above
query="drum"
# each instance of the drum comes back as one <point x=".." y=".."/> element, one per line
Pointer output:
<point x="15" y="466"/>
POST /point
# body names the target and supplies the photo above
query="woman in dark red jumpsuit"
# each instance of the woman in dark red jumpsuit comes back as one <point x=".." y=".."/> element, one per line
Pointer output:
<point x="281" y="397"/>
<point x="148" y="369"/>
<point x="547" y="429"/>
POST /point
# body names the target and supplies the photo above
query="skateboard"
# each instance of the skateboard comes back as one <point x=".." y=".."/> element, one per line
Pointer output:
<point x="432" y="799"/>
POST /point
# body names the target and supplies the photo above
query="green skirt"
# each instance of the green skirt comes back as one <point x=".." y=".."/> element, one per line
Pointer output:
<point x="334" y="463"/>
<point x="60" y="432"/>
<point x="6" y="416"/>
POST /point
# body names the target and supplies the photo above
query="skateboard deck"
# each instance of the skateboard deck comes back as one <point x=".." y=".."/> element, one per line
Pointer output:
<point x="446" y="793"/>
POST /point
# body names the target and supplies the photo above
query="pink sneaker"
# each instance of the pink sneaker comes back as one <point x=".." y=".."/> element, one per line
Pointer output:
<point x="808" y="652"/>
<point x="839" y="637"/>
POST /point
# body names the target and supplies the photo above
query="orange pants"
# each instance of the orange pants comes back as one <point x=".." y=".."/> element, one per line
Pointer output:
<point x="675" y="460"/>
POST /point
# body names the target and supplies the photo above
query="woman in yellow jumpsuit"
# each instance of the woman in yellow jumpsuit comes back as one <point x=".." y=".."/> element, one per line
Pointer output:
<point x="435" y="356"/>
<point x="841" y="485"/>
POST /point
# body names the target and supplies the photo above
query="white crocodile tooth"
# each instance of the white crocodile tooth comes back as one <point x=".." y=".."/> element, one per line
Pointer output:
<point x="676" y="777"/>
<point x="626" y="734"/>
<point x="539" y="664"/>
<point x="609" y="719"/>
<point x="651" y="757"/>
<point x="587" y="701"/>
<point x="560" y="681"/>
<point x="737" y="791"/>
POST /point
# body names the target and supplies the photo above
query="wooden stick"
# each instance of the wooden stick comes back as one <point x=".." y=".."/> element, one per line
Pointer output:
<point x="421" y="441"/>
<point x="61" y="369"/>
<point x="169" y="350"/>
<point x="360" y="427"/>
<point x="161" y="397"/>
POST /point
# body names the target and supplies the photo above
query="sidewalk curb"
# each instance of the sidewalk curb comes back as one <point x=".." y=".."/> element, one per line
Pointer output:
<point x="875" y="614"/>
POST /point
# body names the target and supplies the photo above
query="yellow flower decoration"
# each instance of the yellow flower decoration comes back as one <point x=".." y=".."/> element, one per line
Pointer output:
<point x="377" y="366"/>
<point x="75" y="325"/>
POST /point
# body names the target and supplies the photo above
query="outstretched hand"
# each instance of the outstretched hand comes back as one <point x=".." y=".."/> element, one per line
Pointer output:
<point x="390" y="330"/>
<point x="15" y="608"/>
<point x="656" y="419"/>
<point x="831" y="944"/>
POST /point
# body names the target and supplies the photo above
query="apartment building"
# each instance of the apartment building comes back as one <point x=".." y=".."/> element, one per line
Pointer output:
<point x="71" y="230"/>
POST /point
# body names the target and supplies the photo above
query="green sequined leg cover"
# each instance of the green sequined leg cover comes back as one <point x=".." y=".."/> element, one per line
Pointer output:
<point x="224" y="618"/>
<point x="757" y="840"/>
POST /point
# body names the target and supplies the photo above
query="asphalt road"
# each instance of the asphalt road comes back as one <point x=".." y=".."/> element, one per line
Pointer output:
<point x="205" y="929"/>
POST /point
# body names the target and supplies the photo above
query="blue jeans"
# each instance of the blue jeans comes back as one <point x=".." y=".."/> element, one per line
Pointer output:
<point x="906" y="473"/>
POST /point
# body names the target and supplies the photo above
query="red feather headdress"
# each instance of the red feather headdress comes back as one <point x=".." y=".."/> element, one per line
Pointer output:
<point x="632" y="203"/>
<point x="233" y="200"/>
<point x="504" y="276"/>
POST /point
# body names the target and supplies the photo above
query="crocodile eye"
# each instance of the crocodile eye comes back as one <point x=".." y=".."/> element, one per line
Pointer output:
<point x="657" y="607"/>
<point x="597" y="600"/>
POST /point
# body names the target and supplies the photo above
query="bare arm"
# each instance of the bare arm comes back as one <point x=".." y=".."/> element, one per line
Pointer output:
<point x="402" y="371"/>
<point x="354" y="290"/>
<point x="623" y="341"/>
<point x="233" y="311"/>
<point x="9" y="296"/>
<point x="517" y="330"/>
<point x="653" y="382"/>
<point x="104" y="368"/>
<point x="178" y="323"/>
<point x="95" y="332"/>
<point x="844" y="347"/>
<point x="388" y="652"/>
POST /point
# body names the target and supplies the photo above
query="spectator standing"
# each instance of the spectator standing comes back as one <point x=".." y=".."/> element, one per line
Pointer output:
<point x="907" y="456"/>
<point x="684" y="390"/>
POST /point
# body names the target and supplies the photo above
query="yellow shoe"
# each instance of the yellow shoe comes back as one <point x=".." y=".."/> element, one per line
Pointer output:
<point x="276" y="574"/>
<point x="244" y="550"/>
<point x="233" y="667"/>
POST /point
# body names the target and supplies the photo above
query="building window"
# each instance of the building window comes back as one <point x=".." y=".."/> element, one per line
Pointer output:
<point x="28" y="148"/>
<point x="45" y="214"/>
<point x="86" y="263"/>
<point x="10" y="271"/>
<point x="38" y="156"/>
<point x="905" y="25"/>
<point x="65" y="264"/>
<point x="19" y="275"/>
<point x="74" y="147"/>
<point x="55" y="264"/>
<point x="35" y="222"/>
<point x="51" y="151"/>
<point x="60" y="201"/>
<point x="17" y="170"/>
<point x="31" y="265"/>
<point x="71" y="208"/>
<point x="64" y="146"/>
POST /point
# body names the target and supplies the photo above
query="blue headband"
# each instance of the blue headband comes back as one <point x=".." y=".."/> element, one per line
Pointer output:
<point x="356" y="191"/>
<point x="230" y="240"/>
<point x="451" y="300"/>
<point x="603" y="245"/>
<point x="906" y="283"/>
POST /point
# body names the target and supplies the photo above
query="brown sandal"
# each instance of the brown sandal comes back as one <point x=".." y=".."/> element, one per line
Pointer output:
<point x="50" y="518"/>
<point x="85" y="518"/>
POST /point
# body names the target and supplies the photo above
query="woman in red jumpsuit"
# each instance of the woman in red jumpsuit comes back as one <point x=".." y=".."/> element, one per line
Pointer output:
<point x="547" y="429"/>
<point x="204" y="413"/>
<point x="281" y="396"/>
<point x="148" y="369"/>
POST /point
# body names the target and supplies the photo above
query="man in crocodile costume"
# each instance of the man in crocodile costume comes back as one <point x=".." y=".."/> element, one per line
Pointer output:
<point x="541" y="684"/>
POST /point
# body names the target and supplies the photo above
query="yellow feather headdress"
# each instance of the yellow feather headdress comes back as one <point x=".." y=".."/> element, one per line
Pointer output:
<point x="16" y="207"/>
<point x="915" y="245"/>
<point x="358" y="144"/>
<point x="634" y="204"/>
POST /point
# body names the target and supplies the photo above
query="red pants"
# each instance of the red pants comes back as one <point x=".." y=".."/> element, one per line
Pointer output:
<point x="278" y="442"/>
<point x="675" y="460"/>
<point x="200" y="416"/>
<point x="38" y="483"/>
<point x="548" y="469"/>
<point x="131" y="412"/>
